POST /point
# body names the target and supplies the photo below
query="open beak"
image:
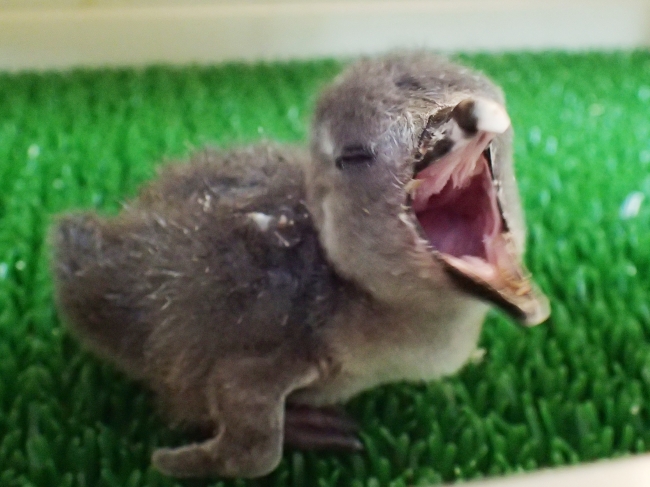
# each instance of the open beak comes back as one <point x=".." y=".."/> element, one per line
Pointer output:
<point x="455" y="198"/>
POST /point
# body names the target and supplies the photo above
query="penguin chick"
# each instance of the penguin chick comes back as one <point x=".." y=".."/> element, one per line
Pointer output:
<point x="412" y="189"/>
<point x="252" y="290"/>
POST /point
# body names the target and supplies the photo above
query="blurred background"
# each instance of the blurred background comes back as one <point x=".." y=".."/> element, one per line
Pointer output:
<point x="64" y="33"/>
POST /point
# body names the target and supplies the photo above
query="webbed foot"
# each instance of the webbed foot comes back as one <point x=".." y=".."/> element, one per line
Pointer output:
<point x="312" y="428"/>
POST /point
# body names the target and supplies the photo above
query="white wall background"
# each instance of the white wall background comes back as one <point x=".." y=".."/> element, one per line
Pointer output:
<point x="39" y="34"/>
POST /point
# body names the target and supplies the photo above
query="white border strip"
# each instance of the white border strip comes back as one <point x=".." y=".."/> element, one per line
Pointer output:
<point x="627" y="472"/>
<point x="42" y="38"/>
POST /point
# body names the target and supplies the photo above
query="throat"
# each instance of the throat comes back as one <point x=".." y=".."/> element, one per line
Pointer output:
<point x="461" y="217"/>
<point x="460" y="221"/>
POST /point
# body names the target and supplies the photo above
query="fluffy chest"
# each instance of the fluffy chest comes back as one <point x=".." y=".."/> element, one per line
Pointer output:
<point x="396" y="348"/>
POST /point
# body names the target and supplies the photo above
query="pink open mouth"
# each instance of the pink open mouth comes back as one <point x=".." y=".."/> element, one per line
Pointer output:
<point x="456" y="206"/>
<point x="455" y="202"/>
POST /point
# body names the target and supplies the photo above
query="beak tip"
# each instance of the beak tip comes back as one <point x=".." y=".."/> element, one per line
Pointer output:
<point x="490" y="116"/>
<point x="537" y="312"/>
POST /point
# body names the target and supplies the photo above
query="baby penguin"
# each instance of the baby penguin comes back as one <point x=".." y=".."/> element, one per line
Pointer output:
<point x="252" y="290"/>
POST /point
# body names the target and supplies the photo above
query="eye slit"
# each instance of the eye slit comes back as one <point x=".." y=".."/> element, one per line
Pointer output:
<point x="354" y="155"/>
<point x="407" y="82"/>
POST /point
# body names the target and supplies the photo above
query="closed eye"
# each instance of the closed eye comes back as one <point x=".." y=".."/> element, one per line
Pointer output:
<point x="354" y="155"/>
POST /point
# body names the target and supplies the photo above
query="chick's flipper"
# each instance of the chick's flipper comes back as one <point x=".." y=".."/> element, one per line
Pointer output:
<point x="246" y="401"/>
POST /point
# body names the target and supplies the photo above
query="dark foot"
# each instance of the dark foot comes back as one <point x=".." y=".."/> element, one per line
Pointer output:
<point x="311" y="428"/>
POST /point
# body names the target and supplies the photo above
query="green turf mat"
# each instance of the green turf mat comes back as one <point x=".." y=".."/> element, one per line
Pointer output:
<point x="574" y="389"/>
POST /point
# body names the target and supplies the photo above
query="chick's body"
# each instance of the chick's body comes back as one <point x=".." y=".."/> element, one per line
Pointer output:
<point x="212" y="280"/>
<point x="249" y="287"/>
<point x="216" y="260"/>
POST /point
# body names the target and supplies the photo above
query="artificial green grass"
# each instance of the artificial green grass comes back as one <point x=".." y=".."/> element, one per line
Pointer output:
<point x="574" y="389"/>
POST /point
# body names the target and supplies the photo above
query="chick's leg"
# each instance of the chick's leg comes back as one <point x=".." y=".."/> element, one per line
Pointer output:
<point x="246" y="400"/>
